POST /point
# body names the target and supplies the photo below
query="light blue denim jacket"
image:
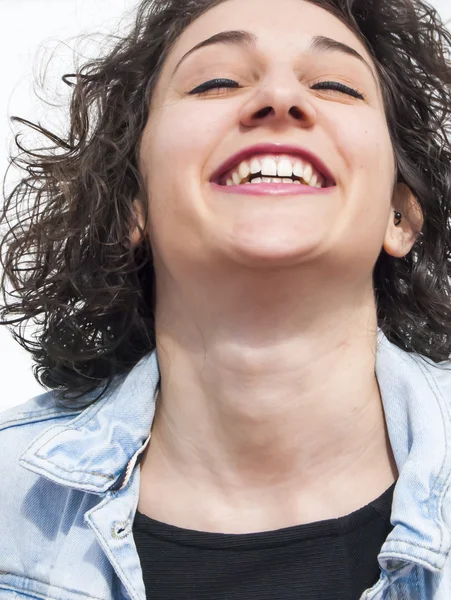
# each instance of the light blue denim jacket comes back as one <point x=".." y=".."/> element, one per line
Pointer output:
<point x="69" y="486"/>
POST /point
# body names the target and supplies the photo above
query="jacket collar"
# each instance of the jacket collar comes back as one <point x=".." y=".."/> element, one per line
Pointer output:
<point x="92" y="451"/>
<point x="416" y="396"/>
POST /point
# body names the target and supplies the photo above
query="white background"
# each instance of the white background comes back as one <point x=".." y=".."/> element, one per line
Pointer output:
<point x="29" y="33"/>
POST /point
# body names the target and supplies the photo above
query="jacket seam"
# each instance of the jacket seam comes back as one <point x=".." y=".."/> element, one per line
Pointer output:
<point x="119" y="568"/>
<point x="82" y="418"/>
<point x="15" y="588"/>
<point x="35" y="418"/>
<point x="409" y="544"/>
<point x="109" y="477"/>
<point x="440" y="489"/>
<point x="29" y="593"/>
<point x="43" y="458"/>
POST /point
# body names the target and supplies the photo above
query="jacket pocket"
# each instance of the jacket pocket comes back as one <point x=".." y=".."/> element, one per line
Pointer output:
<point x="18" y="587"/>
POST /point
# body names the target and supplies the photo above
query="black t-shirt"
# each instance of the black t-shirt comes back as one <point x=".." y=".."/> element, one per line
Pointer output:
<point x="332" y="559"/>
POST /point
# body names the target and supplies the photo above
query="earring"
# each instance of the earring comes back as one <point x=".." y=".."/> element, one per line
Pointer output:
<point x="398" y="217"/>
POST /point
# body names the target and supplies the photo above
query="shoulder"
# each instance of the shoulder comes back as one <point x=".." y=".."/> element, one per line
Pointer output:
<point x="21" y="424"/>
<point x="40" y="518"/>
<point x="19" y="427"/>
<point x="39" y="409"/>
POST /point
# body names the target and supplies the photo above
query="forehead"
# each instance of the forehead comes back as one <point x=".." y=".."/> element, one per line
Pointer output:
<point x="279" y="25"/>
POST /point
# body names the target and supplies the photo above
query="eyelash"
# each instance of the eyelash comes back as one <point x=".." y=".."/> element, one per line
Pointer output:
<point x="339" y="87"/>
<point x="214" y="83"/>
<point x="320" y="85"/>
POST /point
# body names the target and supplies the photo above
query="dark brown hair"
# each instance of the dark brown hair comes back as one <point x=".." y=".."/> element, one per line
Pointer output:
<point x="67" y="256"/>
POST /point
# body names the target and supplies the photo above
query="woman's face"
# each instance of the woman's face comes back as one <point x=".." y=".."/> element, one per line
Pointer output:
<point x="279" y="95"/>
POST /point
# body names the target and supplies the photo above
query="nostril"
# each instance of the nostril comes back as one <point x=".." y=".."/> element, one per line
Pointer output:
<point x="295" y="112"/>
<point x="263" y="112"/>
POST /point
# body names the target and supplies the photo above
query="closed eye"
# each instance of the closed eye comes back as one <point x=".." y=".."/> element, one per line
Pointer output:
<point x="221" y="83"/>
<point x="338" y="87"/>
<point x="214" y="84"/>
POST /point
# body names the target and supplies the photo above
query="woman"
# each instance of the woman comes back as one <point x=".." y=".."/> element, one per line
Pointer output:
<point x="241" y="247"/>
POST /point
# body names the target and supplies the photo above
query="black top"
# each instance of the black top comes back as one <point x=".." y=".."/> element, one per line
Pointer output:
<point x="332" y="559"/>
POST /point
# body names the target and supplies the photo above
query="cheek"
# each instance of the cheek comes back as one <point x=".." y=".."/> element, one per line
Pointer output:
<point x="177" y="143"/>
<point x="179" y="139"/>
<point x="367" y="184"/>
<point x="370" y="153"/>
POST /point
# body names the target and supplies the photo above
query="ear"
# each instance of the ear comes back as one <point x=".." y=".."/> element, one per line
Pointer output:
<point x="137" y="232"/>
<point x="399" y="239"/>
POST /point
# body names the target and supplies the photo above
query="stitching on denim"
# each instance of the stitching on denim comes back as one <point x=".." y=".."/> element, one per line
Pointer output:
<point x="34" y="417"/>
<point x="410" y="545"/>
<point x="441" y="490"/>
<point x="43" y="458"/>
<point x="109" y="477"/>
<point x="85" y="416"/>
<point x="119" y="568"/>
<point x="390" y="553"/>
<point x="87" y="412"/>
<point x="15" y="588"/>
<point x="27" y="593"/>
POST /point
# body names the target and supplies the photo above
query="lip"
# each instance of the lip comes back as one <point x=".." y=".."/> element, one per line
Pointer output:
<point x="272" y="189"/>
<point x="275" y="149"/>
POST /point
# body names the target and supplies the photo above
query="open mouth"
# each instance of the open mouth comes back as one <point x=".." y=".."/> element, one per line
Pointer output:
<point x="275" y="169"/>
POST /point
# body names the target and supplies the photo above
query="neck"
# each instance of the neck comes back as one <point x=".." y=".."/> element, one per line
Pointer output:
<point x="268" y="407"/>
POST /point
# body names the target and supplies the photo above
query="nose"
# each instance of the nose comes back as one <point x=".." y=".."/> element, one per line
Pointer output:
<point x="279" y="100"/>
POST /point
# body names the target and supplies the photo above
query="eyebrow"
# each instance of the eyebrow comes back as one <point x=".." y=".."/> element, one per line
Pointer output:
<point x="246" y="39"/>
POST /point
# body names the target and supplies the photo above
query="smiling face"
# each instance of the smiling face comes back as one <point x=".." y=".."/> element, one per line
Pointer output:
<point x="298" y="82"/>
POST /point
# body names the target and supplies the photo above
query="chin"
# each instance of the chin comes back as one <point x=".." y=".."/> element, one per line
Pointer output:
<point x="271" y="255"/>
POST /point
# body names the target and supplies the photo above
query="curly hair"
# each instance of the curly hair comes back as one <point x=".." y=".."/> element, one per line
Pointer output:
<point x="67" y="253"/>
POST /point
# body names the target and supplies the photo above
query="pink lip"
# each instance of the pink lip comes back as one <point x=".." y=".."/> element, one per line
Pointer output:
<point x="272" y="189"/>
<point x="275" y="149"/>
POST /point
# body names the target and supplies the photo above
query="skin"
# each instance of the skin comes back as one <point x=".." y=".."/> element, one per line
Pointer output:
<point x="269" y="413"/>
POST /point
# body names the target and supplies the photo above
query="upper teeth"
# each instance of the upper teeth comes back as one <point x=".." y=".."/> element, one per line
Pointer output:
<point x="269" y="167"/>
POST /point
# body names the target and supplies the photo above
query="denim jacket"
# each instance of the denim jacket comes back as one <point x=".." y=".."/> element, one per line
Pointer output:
<point x="69" y="486"/>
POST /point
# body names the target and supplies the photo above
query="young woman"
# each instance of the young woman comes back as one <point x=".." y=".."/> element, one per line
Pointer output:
<point x="238" y="258"/>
